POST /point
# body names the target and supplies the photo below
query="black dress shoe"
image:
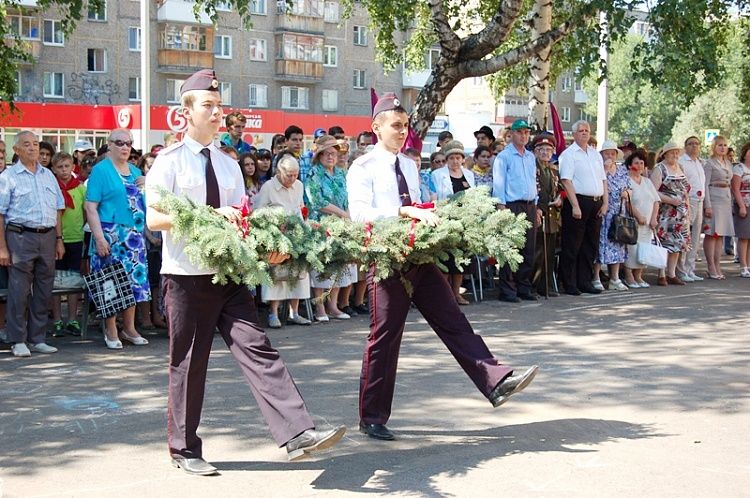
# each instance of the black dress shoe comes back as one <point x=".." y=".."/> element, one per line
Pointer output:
<point x="528" y="297"/>
<point x="590" y="290"/>
<point x="512" y="385"/>
<point x="311" y="440"/>
<point x="361" y="309"/>
<point x="573" y="292"/>
<point x="349" y="311"/>
<point x="510" y="299"/>
<point x="376" y="431"/>
<point x="194" y="466"/>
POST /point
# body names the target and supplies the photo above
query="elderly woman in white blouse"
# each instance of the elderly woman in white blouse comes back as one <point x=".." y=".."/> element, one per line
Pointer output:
<point x="449" y="180"/>
<point x="285" y="191"/>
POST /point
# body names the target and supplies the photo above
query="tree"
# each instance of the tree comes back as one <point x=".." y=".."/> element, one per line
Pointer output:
<point x="638" y="110"/>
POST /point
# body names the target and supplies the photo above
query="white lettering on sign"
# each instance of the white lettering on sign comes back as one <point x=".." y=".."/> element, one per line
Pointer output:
<point x="176" y="120"/>
<point x="123" y="117"/>
<point x="254" y="121"/>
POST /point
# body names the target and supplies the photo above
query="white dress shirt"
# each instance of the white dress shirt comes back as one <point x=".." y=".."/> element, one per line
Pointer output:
<point x="695" y="175"/>
<point x="372" y="186"/>
<point x="441" y="178"/>
<point x="181" y="169"/>
<point x="585" y="168"/>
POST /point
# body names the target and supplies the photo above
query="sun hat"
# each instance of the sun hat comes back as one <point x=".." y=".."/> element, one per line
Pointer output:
<point x="322" y="143"/>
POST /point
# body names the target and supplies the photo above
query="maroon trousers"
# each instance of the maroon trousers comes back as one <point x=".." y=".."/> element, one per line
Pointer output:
<point x="195" y="308"/>
<point x="389" y="305"/>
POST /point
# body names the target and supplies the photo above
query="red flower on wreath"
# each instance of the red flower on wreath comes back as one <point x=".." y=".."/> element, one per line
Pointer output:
<point x="245" y="210"/>
<point x="305" y="212"/>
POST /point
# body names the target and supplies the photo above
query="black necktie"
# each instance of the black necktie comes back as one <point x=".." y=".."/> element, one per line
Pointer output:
<point x="212" y="186"/>
<point x="403" y="187"/>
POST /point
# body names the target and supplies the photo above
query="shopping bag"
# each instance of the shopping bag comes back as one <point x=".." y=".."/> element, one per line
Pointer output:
<point x="653" y="255"/>
<point x="110" y="290"/>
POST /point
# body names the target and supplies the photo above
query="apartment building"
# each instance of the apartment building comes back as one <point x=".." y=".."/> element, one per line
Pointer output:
<point x="303" y="65"/>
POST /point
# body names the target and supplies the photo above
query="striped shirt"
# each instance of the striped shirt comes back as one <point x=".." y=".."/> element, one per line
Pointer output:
<point x="30" y="199"/>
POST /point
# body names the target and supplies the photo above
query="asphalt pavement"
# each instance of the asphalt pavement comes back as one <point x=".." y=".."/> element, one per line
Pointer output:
<point x="640" y="393"/>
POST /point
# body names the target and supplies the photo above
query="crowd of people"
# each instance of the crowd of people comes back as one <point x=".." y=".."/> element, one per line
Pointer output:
<point x="78" y="212"/>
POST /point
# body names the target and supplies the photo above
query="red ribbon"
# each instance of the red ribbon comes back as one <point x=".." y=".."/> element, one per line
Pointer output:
<point x="412" y="232"/>
<point x="368" y="233"/>
<point x="245" y="210"/>
<point x="424" y="205"/>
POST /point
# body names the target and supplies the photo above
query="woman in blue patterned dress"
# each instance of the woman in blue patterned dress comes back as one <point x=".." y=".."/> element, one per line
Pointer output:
<point x="115" y="210"/>
<point x="612" y="253"/>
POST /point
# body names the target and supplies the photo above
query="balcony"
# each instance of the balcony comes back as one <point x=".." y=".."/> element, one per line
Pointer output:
<point x="184" y="48"/>
<point x="33" y="47"/>
<point x="299" y="71"/>
<point x="28" y="3"/>
<point x="300" y="24"/>
<point x="415" y="79"/>
<point x="179" y="11"/>
<point x="580" y="97"/>
<point x="512" y="111"/>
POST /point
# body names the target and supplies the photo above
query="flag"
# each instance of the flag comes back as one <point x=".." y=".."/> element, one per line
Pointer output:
<point x="557" y="130"/>
<point x="373" y="101"/>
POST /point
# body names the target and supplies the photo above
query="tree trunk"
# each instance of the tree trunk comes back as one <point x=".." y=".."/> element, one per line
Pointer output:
<point x="541" y="22"/>
<point x="443" y="79"/>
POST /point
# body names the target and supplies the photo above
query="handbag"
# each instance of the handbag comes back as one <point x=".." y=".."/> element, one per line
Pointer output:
<point x="110" y="290"/>
<point x="624" y="228"/>
<point x="653" y="255"/>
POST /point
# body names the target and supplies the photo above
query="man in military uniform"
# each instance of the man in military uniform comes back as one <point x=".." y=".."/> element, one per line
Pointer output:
<point x="196" y="307"/>
<point x="549" y="203"/>
<point x="380" y="184"/>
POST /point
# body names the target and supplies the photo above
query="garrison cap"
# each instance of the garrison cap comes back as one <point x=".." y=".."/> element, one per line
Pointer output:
<point x="544" y="139"/>
<point x="388" y="102"/>
<point x="205" y="79"/>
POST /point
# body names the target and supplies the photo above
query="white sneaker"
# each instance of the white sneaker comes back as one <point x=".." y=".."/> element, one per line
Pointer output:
<point x="686" y="278"/>
<point x="745" y="273"/>
<point x="597" y="284"/>
<point x="274" y="322"/>
<point x="617" y="285"/>
<point x="696" y="278"/>
<point x="20" y="350"/>
<point x="43" y="348"/>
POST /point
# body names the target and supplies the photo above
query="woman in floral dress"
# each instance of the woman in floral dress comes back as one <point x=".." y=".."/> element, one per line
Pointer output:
<point x="115" y="210"/>
<point x="673" y="222"/>
<point x="612" y="253"/>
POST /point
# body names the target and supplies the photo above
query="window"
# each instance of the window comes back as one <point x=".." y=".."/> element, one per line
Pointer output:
<point x="258" y="51"/>
<point x="53" y="33"/>
<point x="584" y="116"/>
<point x="360" y="35"/>
<point x="173" y="90"/>
<point x="431" y="57"/>
<point x="99" y="15"/>
<point x="330" y="56"/>
<point x="19" y="89"/>
<point x="223" y="47"/>
<point x="331" y="12"/>
<point x="134" y="88"/>
<point x="477" y="81"/>
<point x="225" y="90"/>
<point x="566" y="83"/>
<point x="183" y="37"/>
<point x="578" y="85"/>
<point x="97" y="60"/>
<point x="300" y="47"/>
<point x="26" y="27"/>
<point x="54" y="85"/>
<point x="258" y="7"/>
<point x="258" y="95"/>
<point x="330" y="100"/>
<point x="359" y="78"/>
<point x="294" y="97"/>
<point x="134" y="39"/>
<point x="224" y="6"/>
<point x="306" y="8"/>
<point x="565" y="114"/>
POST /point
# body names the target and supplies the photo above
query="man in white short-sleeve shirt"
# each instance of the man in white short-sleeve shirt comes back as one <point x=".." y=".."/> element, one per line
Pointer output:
<point x="582" y="175"/>
<point x="692" y="165"/>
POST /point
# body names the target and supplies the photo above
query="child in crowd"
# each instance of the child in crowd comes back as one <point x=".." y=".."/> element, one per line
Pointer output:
<point x="73" y="219"/>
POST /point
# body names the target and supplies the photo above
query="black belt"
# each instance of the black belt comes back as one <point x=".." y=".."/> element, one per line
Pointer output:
<point x="21" y="229"/>
<point x="594" y="198"/>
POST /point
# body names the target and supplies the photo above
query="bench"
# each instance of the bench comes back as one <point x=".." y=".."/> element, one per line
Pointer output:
<point x="85" y="305"/>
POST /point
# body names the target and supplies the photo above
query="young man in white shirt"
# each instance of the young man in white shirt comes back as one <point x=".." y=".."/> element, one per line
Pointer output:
<point x="196" y="307"/>
<point x="380" y="184"/>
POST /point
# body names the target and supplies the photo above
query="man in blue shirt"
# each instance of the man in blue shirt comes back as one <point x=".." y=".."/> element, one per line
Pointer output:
<point x="31" y="205"/>
<point x="514" y="185"/>
<point x="236" y="122"/>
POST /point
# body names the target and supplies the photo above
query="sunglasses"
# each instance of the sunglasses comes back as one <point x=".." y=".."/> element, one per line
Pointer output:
<point x="121" y="143"/>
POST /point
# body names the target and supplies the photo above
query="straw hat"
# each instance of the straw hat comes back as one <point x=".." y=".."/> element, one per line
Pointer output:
<point x="322" y="143"/>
